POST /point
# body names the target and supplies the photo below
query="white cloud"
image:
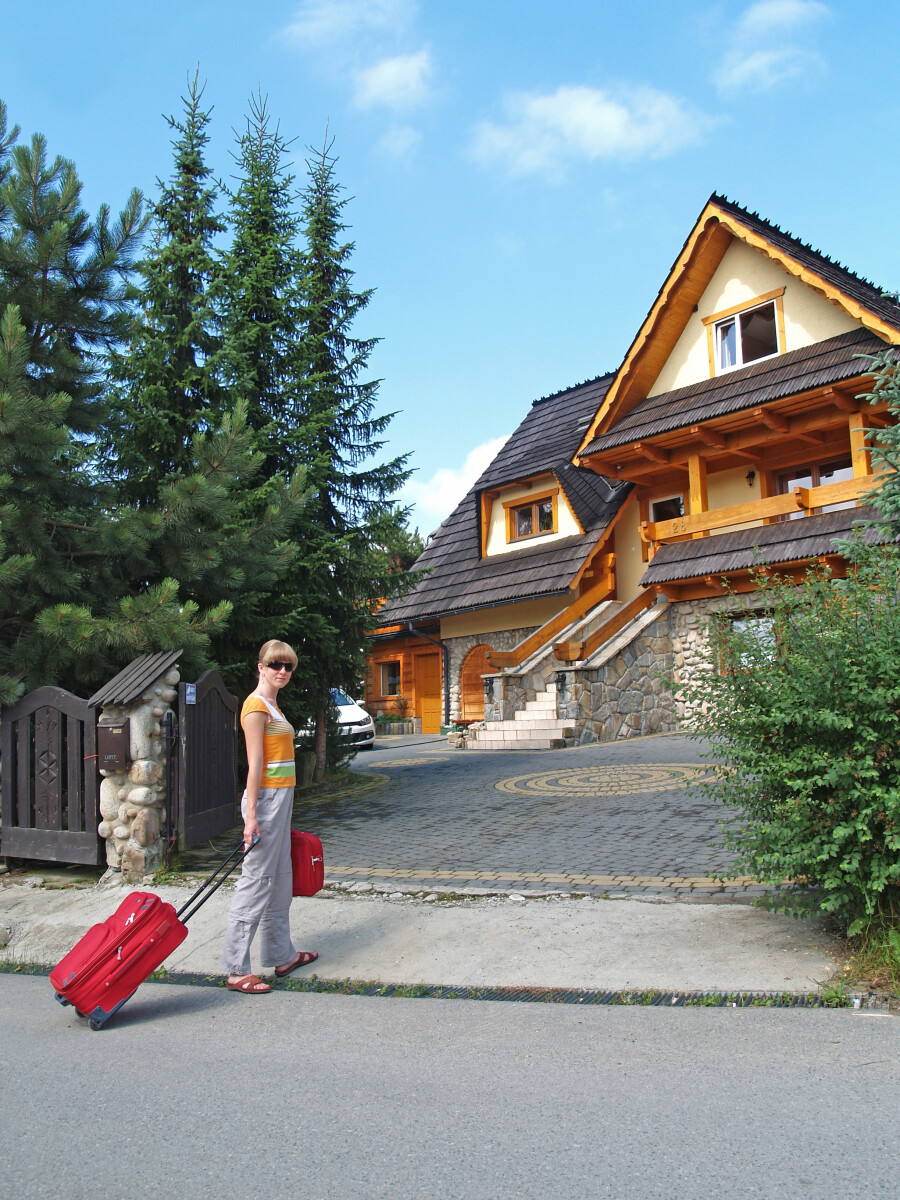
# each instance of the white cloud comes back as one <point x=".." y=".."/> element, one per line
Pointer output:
<point x="577" y="122"/>
<point x="399" y="142"/>
<point x="762" y="70"/>
<point x="400" y="82"/>
<point x="764" y="51"/>
<point x="316" y="22"/>
<point x="770" y="15"/>
<point x="436" y="498"/>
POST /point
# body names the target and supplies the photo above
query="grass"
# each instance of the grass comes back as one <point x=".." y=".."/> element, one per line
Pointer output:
<point x="874" y="963"/>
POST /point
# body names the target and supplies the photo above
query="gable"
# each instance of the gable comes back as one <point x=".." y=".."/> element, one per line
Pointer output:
<point x="744" y="275"/>
<point x="721" y="228"/>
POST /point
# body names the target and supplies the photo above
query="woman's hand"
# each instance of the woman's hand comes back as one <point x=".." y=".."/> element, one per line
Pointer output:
<point x="251" y="831"/>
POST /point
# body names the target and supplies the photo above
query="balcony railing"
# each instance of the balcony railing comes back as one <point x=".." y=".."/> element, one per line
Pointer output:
<point x="799" y="500"/>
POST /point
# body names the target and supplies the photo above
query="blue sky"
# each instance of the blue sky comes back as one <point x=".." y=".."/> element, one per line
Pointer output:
<point x="522" y="177"/>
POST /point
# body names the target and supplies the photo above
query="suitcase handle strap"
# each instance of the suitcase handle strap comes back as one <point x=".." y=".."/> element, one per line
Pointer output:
<point x="206" y="889"/>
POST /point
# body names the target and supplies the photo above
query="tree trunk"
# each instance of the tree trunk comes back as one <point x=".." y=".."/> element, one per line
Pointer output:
<point x="321" y="733"/>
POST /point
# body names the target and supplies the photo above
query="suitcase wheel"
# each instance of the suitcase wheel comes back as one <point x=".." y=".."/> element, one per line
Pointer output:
<point x="63" y="1001"/>
<point x="95" y="1025"/>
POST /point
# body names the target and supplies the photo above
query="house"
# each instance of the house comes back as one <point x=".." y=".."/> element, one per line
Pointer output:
<point x="581" y="570"/>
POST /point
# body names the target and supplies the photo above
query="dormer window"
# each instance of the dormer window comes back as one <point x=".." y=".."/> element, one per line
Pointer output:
<point x="746" y="333"/>
<point x="526" y="518"/>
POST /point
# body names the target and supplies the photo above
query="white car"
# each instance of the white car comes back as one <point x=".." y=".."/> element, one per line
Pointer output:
<point x="357" y="727"/>
<point x="356" y="724"/>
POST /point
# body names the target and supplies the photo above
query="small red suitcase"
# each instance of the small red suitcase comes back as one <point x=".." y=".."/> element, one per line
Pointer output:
<point x="113" y="959"/>
<point x="307" y="863"/>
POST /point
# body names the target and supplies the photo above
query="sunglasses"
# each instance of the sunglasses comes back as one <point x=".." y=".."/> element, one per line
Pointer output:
<point x="280" y="666"/>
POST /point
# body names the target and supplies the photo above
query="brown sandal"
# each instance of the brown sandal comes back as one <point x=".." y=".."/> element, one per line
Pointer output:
<point x="250" y="985"/>
<point x="303" y="959"/>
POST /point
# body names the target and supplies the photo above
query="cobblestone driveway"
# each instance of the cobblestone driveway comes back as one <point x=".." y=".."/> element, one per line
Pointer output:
<point x="616" y="819"/>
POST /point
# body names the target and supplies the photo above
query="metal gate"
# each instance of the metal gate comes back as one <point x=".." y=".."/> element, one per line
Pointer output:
<point x="208" y="794"/>
<point x="50" y="781"/>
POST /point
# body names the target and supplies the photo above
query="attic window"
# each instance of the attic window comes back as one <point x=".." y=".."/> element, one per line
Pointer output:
<point x="531" y="517"/>
<point x="746" y="333"/>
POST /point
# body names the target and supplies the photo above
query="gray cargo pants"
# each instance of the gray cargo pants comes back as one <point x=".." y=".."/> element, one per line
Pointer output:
<point x="264" y="891"/>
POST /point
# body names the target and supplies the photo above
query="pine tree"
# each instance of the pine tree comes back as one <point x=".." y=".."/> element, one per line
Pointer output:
<point x="66" y="274"/>
<point x="342" y="573"/>
<point x="168" y="383"/>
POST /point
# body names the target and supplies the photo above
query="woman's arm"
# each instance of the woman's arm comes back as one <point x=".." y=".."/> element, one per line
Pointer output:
<point x="254" y="728"/>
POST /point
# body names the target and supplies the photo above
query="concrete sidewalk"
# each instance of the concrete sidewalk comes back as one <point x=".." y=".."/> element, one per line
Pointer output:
<point x="502" y="940"/>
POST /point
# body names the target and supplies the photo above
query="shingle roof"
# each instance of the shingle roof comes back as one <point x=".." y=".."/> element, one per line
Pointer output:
<point x="787" y="541"/>
<point x="823" y="363"/>
<point x="866" y="294"/>
<point x="550" y="433"/>
<point x="459" y="578"/>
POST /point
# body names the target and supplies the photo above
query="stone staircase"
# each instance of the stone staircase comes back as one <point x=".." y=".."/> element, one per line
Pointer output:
<point x="536" y="727"/>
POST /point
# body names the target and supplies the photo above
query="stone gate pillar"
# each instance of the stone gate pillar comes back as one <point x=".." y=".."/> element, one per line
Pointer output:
<point x="133" y="800"/>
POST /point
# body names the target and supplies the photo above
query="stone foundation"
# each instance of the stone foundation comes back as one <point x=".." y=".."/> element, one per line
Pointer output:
<point x="133" y="802"/>
<point x="631" y="694"/>
<point x="506" y="639"/>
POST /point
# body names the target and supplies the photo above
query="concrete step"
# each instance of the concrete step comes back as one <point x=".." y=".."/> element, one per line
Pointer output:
<point x="536" y="743"/>
<point x="523" y="728"/>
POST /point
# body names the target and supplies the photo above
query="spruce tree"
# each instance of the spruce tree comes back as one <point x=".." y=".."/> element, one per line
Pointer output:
<point x="168" y="386"/>
<point x="342" y="573"/>
<point x="66" y="274"/>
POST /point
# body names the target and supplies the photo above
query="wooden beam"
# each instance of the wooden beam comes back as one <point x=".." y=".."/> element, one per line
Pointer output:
<point x="698" y="499"/>
<point x="709" y="437"/>
<point x="841" y="400"/>
<point x="859" y="451"/>
<point x="772" y="420"/>
<point x="653" y="453"/>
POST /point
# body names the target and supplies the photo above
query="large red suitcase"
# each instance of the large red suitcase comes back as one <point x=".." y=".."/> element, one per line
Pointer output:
<point x="113" y="959"/>
<point x="307" y="863"/>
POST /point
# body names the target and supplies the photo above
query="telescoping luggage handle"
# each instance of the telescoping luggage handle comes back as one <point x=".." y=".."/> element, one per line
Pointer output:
<point x="198" y="899"/>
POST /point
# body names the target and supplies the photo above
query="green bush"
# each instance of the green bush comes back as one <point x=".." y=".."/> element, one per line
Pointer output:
<point x="802" y="709"/>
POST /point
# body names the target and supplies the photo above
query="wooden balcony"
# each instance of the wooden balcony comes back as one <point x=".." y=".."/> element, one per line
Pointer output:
<point x="799" y="500"/>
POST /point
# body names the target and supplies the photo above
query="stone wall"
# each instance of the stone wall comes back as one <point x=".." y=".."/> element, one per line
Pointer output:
<point x="133" y="802"/>
<point x="506" y="639"/>
<point x="629" y="695"/>
<point x="691" y="642"/>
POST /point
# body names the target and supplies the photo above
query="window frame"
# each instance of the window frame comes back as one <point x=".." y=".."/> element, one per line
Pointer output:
<point x="814" y="468"/>
<point x="387" y="663"/>
<point x="715" y="320"/>
<point x="511" y="507"/>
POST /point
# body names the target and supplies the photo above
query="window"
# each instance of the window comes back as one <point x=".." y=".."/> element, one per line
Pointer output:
<point x="745" y="337"/>
<point x="528" y="518"/>
<point x="390" y="679"/>
<point x="667" y="509"/>
<point x="816" y="475"/>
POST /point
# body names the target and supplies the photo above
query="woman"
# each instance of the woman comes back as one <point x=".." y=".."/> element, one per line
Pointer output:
<point x="264" y="891"/>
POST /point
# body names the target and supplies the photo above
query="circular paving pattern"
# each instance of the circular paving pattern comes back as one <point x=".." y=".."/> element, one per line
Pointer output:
<point x="606" y="781"/>
<point x="407" y="762"/>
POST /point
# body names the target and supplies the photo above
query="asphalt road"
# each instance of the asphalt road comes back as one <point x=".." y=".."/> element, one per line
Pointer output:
<point x="197" y="1093"/>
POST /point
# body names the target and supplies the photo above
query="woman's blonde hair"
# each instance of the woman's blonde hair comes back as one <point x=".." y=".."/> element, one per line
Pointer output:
<point x="276" y="650"/>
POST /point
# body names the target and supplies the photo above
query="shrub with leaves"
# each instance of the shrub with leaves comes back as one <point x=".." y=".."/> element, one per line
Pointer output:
<point x="802" y="708"/>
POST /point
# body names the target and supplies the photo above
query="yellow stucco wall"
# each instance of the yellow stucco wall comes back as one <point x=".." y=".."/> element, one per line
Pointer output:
<point x="566" y="524"/>
<point x="727" y="488"/>
<point x="629" y="563"/>
<point x="526" y="615"/>
<point x="743" y="274"/>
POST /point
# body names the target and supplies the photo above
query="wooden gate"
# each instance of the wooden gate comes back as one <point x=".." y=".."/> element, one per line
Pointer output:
<point x="50" y="781"/>
<point x="207" y="776"/>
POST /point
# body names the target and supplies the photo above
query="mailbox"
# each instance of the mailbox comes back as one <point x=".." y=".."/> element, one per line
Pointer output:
<point x="114" y="745"/>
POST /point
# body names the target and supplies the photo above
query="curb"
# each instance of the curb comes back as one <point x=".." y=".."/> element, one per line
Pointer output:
<point x="646" y="998"/>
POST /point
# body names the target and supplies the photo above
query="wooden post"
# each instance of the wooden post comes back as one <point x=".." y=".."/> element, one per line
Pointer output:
<point x="858" y="448"/>
<point x="698" y="501"/>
